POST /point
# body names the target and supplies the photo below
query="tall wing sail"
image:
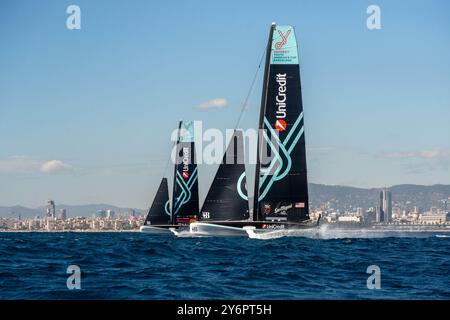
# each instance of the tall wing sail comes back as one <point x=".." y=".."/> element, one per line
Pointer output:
<point x="282" y="187"/>
<point x="185" y="204"/>
<point x="223" y="201"/>
<point x="158" y="214"/>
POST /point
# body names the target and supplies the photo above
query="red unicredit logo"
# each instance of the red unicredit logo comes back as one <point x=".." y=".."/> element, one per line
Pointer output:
<point x="185" y="174"/>
<point x="280" y="125"/>
<point x="284" y="38"/>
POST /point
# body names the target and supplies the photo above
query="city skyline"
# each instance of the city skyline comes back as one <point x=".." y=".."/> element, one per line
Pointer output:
<point x="87" y="114"/>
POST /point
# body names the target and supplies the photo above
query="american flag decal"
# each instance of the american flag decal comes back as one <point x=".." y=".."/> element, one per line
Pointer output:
<point x="299" y="204"/>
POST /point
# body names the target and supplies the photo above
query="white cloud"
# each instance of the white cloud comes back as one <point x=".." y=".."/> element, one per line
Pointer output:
<point x="424" y="154"/>
<point x="55" y="166"/>
<point x="30" y="165"/>
<point x="213" y="103"/>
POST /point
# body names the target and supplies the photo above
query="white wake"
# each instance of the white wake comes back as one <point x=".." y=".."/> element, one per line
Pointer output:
<point x="327" y="232"/>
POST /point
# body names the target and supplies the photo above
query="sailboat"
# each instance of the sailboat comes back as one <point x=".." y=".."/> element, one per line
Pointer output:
<point x="184" y="209"/>
<point x="280" y="199"/>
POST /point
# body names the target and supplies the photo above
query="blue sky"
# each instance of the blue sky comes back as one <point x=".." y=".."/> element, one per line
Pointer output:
<point x="86" y="115"/>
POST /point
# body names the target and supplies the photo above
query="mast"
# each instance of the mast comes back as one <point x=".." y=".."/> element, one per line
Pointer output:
<point x="261" y="125"/>
<point x="177" y="151"/>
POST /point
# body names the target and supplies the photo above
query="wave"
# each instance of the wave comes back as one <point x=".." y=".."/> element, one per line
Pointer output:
<point x="296" y="264"/>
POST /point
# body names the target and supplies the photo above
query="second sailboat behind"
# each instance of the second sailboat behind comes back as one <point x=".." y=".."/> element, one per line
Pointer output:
<point x="165" y="216"/>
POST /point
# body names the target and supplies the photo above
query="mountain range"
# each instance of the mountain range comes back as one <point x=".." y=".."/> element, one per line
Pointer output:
<point x="404" y="196"/>
<point x="342" y="198"/>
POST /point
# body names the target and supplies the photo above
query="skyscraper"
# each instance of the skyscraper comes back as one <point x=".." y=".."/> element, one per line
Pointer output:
<point x="110" y="213"/>
<point x="101" y="214"/>
<point x="385" y="208"/>
<point x="51" y="209"/>
<point x="379" y="213"/>
<point x="62" y="214"/>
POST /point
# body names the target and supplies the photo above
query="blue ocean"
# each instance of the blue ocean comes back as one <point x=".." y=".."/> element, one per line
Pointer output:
<point x="142" y="266"/>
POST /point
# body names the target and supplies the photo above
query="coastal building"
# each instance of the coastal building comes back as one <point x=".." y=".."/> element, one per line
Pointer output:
<point x="50" y="225"/>
<point x="100" y="214"/>
<point x="352" y="218"/>
<point x="434" y="218"/>
<point x="396" y="213"/>
<point x="360" y="212"/>
<point x="94" y="224"/>
<point x="51" y="209"/>
<point x="62" y="214"/>
<point x="379" y="215"/>
<point x="105" y="224"/>
<point x="33" y="224"/>
<point x="77" y="224"/>
<point x="385" y="207"/>
<point x="370" y="216"/>
<point x="110" y="213"/>
<point x="119" y="225"/>
<point x="434" y="210"/>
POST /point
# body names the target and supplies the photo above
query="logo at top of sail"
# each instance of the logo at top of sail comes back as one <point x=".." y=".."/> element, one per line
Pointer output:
<point x="284" y="46"/>
<point x="284" y="37"/>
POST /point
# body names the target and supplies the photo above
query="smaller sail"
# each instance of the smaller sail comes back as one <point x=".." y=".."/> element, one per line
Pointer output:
<point x="158" y="214"/>
<point x="223" y="201"/>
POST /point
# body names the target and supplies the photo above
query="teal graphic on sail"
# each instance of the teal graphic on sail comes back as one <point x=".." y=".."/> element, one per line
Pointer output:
<point x="185" y="194"/>
<point x="277" y="169"/>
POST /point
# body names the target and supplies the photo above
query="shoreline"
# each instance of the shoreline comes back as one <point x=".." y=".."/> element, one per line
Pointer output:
<point x="331" y="228"/>
<point x="68" y="231"/>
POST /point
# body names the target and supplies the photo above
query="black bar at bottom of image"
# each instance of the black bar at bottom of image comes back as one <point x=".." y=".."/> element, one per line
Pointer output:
<point x="226" y="309"/>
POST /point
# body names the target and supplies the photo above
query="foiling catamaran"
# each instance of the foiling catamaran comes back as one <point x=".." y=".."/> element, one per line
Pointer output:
<point x="280" y="199"/>
<point x="222" y="203"/>
<point x="163" y="217"/>
<point x="281" y="189"/>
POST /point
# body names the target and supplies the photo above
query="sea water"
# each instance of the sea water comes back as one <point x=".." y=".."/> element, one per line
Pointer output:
<point x="328" y="265"/>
